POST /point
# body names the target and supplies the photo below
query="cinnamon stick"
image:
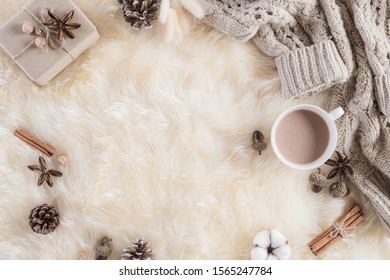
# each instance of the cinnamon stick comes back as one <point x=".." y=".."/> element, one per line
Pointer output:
<point x="349" y="214"/>
<point x="327" y="238"/>
<point x="353" y="226"/>
<point x="34" y="142"/>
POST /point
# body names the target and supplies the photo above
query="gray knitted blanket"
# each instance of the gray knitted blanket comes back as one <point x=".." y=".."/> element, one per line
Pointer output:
<point x="321" y="44"/>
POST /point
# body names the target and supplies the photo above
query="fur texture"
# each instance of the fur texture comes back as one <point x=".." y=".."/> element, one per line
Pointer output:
<point x="158" y="140"/>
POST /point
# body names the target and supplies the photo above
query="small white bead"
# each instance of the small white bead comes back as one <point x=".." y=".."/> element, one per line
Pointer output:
<point x="37" y="31"/>
<point x="40" y="42"/>
<point x="62" y="160"/>
<point x="27" y="28"/>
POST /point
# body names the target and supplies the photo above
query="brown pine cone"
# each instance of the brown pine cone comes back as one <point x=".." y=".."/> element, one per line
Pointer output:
<point x="44" y="219"/>
<point x="140" y="13"/>
<point x="138" y="250"/>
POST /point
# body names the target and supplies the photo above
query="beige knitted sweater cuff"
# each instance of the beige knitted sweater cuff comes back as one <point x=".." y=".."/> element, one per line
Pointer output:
<point x="382" y="92"/>
<point x="311" y="69"/>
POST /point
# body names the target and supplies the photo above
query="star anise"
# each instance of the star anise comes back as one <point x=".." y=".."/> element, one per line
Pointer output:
<point x="341" y="167"/>
<point x="61" y="25"/>
<point x="45" y="174"/>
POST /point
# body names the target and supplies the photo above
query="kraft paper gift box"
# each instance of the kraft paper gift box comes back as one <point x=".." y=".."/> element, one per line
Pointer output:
<point x="43" y="64"/>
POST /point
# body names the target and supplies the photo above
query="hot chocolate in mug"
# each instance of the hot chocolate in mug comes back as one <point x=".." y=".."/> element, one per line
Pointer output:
<point x="305" y="136"/>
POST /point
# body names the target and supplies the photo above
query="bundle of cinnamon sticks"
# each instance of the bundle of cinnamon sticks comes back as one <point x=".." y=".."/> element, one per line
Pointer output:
<point x="342" y="227"/>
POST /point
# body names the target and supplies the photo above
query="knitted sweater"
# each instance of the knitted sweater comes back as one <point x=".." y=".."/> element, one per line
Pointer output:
<point x="343" y="45"/>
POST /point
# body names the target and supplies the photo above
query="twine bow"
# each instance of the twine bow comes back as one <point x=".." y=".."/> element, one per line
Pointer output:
<point x="50" y="35"/>
<point x="339" y="229"/>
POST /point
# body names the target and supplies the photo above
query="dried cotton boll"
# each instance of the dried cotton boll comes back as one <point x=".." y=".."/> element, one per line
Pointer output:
<point x="40" y="42"/>
<point x="282" y="252"/>
<point x="270" y="245"/>
<point x="259" y="253"/>
<point x="272" y="257"/>
<point x="263" y="239"/>
<point x="27" y="28"/>
<point x="277" y="239"/>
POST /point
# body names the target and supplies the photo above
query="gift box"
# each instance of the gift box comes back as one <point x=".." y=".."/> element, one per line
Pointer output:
<point x="43" y="60"/>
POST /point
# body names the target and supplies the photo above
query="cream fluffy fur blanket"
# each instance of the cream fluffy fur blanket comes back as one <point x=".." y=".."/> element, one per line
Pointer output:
<point x="158" y="137"/>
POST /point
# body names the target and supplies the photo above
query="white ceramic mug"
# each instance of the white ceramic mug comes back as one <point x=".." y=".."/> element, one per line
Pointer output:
<point x="328" y="118"/>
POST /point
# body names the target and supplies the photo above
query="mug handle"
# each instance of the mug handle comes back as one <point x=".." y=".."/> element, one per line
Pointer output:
<point x="336" y="113"/>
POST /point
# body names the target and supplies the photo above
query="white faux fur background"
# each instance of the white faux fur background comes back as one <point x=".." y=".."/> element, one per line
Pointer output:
<point x="158" y="137"/>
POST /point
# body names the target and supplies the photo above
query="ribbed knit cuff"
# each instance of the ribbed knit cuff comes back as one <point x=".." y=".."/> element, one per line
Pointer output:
<point x="311" y="69"/>
<point x="382" y="93"/>
<point x="372" y="187"/>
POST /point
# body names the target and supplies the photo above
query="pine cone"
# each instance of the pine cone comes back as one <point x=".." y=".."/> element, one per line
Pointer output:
<point x="44" y="219"/>
<point x="140" y="13"/>
<point x="138" y="250"/>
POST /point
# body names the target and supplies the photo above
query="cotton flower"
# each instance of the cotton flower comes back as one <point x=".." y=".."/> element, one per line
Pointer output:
<point x="270" y="245"/>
